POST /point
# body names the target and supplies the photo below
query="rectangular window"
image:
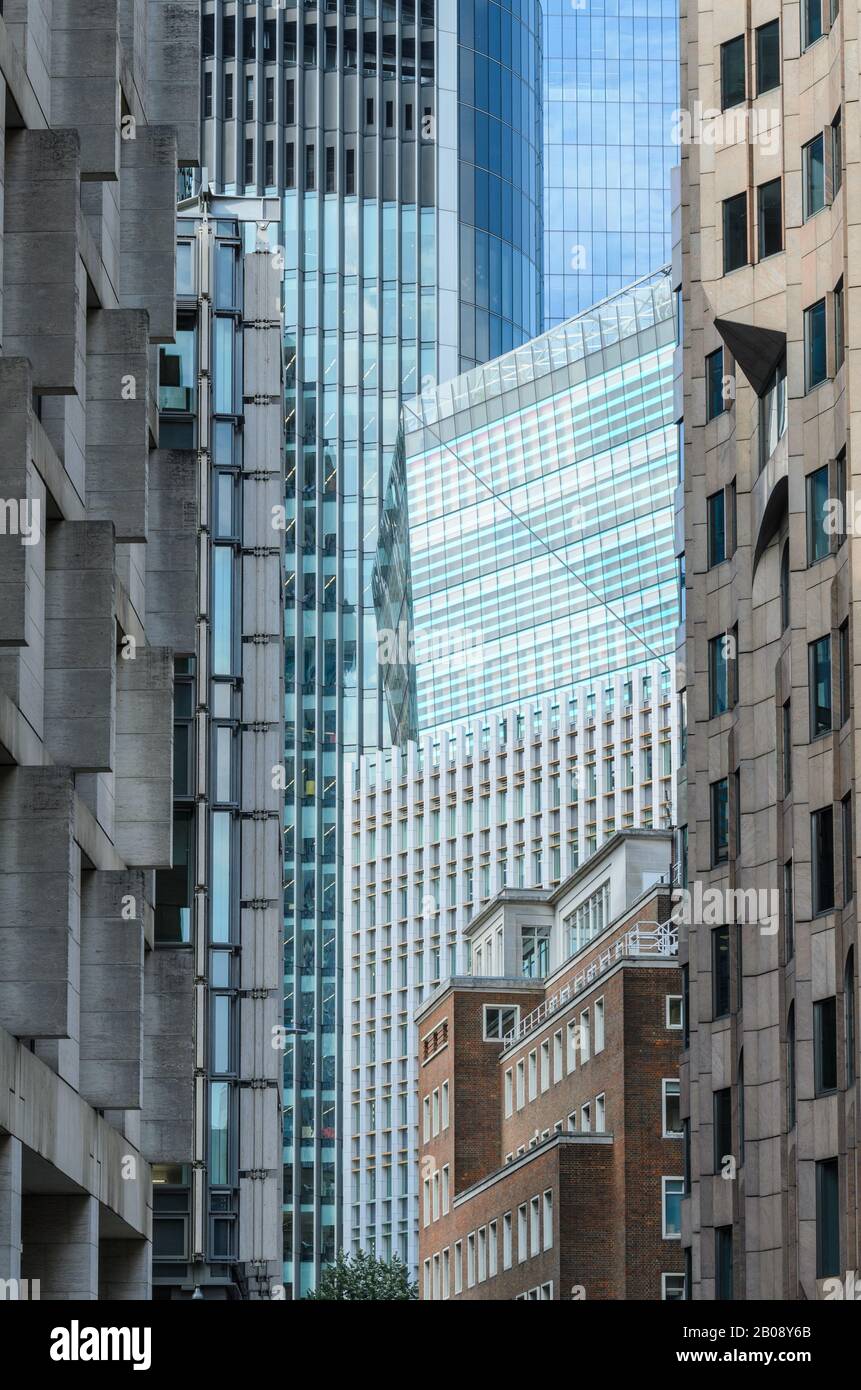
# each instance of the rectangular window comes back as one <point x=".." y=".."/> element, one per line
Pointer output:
<point x="269" y="99"/>
<point x="825" y="1045"/>
<point x="768" y="57"/>
<point x="522" y="1247"/>
<point x="330" y="169"/>
<point x="673" y="1014"/>
<point x="811" y="22"/>
<point x="836" y="155"/>
<point x="827" y="1218"/>
<point x="506" y="1240"/>
<point x="845" y="673"/>
<point x="482" y="1254"/>
<point x="723" y="1262"/>
<point x="435" y="1112"/>
<point x="716" y="511"/>
<point x="722" y="1114"/>
<point x="558" y="1070"/>
<point x="545" y="1064"/>
<point x="585" y="1036"/>
<point x="249" y="98"/>
<point x="733" y="89"/>
<point x="207" y="94"/>
<point x="822" y="846"/>
<point x="787" y="747"/>
<point x="446" y="1189"/>
<point x="815" y="352"/>
<point x="228" y="96"/>
<point x="819" y="684"/>
<point x="533" y="1075"/>
<point x="310" y="175"/>
<point x="426" y="1118"/>
<point x="600" y="1114"/>
<point x="585" y="1119"/>
<point x="548" y="1220"/>
<point x="458" y="1266"/>
<point x="720" y="971"/>
<point x="520" y="1073"/>
<point x="813" y="176"/>
<point x="470" y="1260"/>
<point x="290" y="166"/>
<point x="491" y="1251"/>
<point x="672" y="1190"/>
<point x="269" y="163"/>
<point x="535" y="1226"/>
<point x="509" y="1092"/>
<point x="818" y="513"/>
<point x="672" y="1288"/>
<point x="770" y="207"/>
<point x="718" y="676"/>
<point x="839" y="330"/>
<point x="848" y="853"/>
<point x="290" y="102"/>
<point x="720" y="821"/>
<point x="671" y="1089"/>
<point x="572" y="1046"/>
<point x="249" y="162"/>
<point x="715" y="402"/>
<point x="735" y="233"/>
<point x="599" y="1025"/>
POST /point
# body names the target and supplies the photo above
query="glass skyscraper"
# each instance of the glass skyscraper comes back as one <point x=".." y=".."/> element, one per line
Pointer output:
<point x="403" y="140"/>
<point x="526" y="542"/>
<point x="611" y="77"/>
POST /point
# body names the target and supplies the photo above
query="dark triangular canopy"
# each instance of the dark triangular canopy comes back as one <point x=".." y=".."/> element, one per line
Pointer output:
<point x="756" y="350"/>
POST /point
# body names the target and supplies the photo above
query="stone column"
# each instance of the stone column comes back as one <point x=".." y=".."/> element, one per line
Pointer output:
<point x="61" y="1246"/>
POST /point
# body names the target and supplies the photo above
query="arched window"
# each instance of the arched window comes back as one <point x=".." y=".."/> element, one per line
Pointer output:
<point x="784" y="587"/>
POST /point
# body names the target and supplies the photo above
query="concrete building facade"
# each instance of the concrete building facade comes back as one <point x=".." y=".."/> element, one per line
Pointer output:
<point x="98" y="106"/>
<point x="766" y="255"/>
<point x="551" y="1152"/>
<point x="439" y="828"/>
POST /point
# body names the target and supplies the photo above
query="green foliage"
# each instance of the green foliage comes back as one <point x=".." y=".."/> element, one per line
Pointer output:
<point x="364" y="1278"/>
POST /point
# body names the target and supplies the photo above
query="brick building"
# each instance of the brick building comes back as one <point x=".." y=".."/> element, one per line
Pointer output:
<point x="551" y="1154"/>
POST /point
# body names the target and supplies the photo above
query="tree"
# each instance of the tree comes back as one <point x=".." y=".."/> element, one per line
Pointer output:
<point x="364" y="1278"/>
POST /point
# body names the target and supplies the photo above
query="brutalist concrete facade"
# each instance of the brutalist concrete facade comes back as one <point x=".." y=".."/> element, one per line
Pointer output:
<point x="766" y="235"/>
<point x="96" y="1055"/>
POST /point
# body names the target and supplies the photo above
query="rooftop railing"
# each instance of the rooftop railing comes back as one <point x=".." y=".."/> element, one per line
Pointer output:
<point x="644" y="939"/>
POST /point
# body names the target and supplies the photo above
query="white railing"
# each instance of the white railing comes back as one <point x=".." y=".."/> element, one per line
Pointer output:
<point x="645" y="939"/>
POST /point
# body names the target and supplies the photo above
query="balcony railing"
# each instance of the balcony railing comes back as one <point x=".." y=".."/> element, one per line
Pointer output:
<point x="645" y="939"/>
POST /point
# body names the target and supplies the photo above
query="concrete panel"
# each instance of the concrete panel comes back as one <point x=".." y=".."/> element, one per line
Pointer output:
<point x="117" y="425"/>
<point x="112" y="982"/>
<point x="171" y="553"/>
<point x="147" y="238"/>
<point x="85" y="80"/>
<point x="166" y="1118"/>
<point x="144" y="758"/>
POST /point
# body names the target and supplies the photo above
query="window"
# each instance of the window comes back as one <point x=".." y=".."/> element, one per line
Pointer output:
<point x="673" y="1011"/>
<point x="722" y="1113"/>
<point x="369" y="111"/>
<point x="839" y="329"/>
<point x="446" y="1273"/>
<point x="522" y="1249"/>
<point x="672" y="1108"/>
<point x="768" y="57"/>
<point x="827" y="1218"/>
<point x="734" y="232"/>
<point x="790" y="1068"/>
<point x="482" y="1254"/>
<point x="290" y="102"/>
<point x="784" y="587"/>
<point x="506" y="1240"/>
<point x="600" y="1114"/>
<point x="845" y="673"/>
<point x="572" y="1046"/>
<point x="815" y="354"/>
<point x="788" y="910"/>
<point x="426" y="1195"/>
<point x="849" y="1014"/>
<point x="435" y="1112"/>
<point x="444" y="1105"/>
<point x="715" y="400"/>
<point x="672" y="1190"/>
<point x="720" y="821"/>
<point x="547" y="1208"/>
<point x="558" y="1069"/>
<point x="572" y="1122"/>
<point x="499" y="1020"/>
<point x="585" y="1036"/>
<point x="509" y="1092"/>
<point x="426" y="1118"/>
<point x="772" y="413"/>
<point x="491" y="1251"/>
<point x="819" y="677"/>
<point x="207" y="94"/>
<point x="586" y="1119"/>
<point x="599" y="1025"/>
<point x="435" y="1196"/>
<point x="770" y="218"/>
<point x="520" y="1073"/>
<point x="811" y="22"/>
<point x="330" y="168"/>
<point x="718" y="675"/>
<point x="836" y="155"/>
<point x="228" y="95"/>
<point x="818" y="537"/>
<point x="350" y="173"/>
<point x="310" y="179"/>
<point x="458" y="1266"/>
<point x="535" y="1226"/>
<point x="269" y="163"/>
<point x="786" y="742"/>
<point x="545" y="1065"/>
<point x="825" y="1045"/>
<point x="732" y="72"/>
<point x="269" y="99"/>
<point x="249" y="161"/>
<point x="470" y="1260"/>
<point x="672" y="1288"/>
<point x="290" y="166"/>
<point x="533" y="1074"/>
<point x="720" y="971"/>
<point x="813" y="176"/>
<point x="446" y="1189"/>
<point x="716" y="509"/>
<point x="723" y="1262"/>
